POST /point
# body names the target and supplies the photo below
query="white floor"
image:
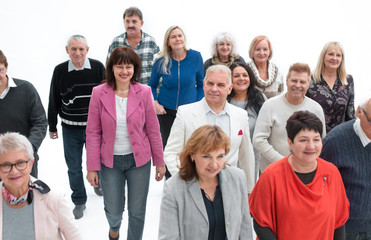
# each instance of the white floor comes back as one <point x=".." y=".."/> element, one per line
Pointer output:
<point x="93" y="225"/>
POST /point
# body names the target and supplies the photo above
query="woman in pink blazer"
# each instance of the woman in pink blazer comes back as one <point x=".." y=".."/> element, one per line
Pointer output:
<point x="122" y="135"/>
<point x="29" y="209"/>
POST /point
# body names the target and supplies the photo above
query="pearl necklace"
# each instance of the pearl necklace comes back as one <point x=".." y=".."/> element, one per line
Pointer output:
<point x="123" y="91"/>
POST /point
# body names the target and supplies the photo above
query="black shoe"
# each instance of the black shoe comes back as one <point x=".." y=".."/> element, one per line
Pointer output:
<point x="98" y="191"/>
<point x="78" y="211"/>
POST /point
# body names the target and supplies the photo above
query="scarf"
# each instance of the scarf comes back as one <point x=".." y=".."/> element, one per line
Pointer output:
<point x="216" y="60"/>
<point x="272" y="74"/>
<point x="12" y="200"/>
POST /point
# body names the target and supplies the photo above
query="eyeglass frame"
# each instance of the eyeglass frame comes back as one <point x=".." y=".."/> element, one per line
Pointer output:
<point x="15" y="165"/>
<point x="368" y="119"/>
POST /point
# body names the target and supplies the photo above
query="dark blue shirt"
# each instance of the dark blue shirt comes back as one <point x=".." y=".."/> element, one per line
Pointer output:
<point x="215" y="213"/>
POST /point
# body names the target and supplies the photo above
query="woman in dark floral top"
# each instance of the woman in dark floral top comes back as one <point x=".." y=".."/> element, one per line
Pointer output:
<point x="332" y="87"/>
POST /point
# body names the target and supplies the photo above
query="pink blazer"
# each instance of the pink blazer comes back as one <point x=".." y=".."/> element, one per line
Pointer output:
<point x="142" y="123"/>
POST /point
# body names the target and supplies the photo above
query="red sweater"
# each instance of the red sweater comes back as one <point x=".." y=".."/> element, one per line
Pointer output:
<point x="293" y="210"/>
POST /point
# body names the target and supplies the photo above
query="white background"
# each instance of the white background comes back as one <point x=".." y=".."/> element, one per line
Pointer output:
<point x="33" y="36"/>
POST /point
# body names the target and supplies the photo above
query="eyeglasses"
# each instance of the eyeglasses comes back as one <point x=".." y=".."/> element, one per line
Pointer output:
<point x="368" y="119"/>
<point x="7" y="167"/>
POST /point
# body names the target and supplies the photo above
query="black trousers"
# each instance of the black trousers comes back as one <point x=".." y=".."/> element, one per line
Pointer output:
<point x="166" y="122"/>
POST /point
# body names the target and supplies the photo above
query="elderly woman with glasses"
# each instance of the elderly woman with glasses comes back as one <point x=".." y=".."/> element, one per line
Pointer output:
<point x="28" y="208"/>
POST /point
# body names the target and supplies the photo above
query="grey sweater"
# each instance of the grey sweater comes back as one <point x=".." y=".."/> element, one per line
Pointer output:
<point x="270" y="137"/>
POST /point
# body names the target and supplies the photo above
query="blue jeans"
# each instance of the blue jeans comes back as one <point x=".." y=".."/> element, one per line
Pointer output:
<point x="73" y="143"/>
<point x="358" y="235"/>
<point x="113" y="186"/>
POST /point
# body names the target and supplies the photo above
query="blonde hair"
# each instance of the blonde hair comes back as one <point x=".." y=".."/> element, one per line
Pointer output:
<point x="321" y="64"/>
<point x="166" y="50"/>
<point x="205" y="140"/>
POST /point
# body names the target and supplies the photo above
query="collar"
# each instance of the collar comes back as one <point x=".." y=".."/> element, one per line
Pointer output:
<point x="208" y="109"/>
<point x="127" y="42"/>
<point x="361" y="134"/>
<point x="72" y="67"/>
<point x="11" y="83"/>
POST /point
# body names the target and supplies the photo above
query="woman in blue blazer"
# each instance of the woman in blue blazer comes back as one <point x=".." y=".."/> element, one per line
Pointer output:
<point x="206" y="199"/>
<point x="178" y="72"/>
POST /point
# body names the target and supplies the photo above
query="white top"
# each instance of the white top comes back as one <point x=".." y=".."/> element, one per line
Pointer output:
<point x="361" y="134"/>
<point x="11" y="83"/>
<point x="270" y="136"/>
<point x="122" y="142"/>
<point x="222" y="119"/>
<point x="72" y="67"/>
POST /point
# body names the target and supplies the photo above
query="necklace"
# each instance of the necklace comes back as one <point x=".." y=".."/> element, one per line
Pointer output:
<point x="123" y="91"/>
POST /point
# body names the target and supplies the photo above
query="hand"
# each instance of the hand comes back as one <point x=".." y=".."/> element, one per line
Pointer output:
<point x="160" y="110"/>
<point x="92" y="177"/>
<point x="160" y="172"/>
<point x="53" y="135"/>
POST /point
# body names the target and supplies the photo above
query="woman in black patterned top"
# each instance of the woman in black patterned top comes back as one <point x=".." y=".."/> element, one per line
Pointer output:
<point x="332" y="87"/>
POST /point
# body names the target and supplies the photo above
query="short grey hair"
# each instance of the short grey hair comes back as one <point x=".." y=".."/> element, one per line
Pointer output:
<point x="219" y="68"/>
<point x="220" y="37"/>
<point x="365" y="100"/>
<point x="12" y="141"/>
<point x="79" y="38"/>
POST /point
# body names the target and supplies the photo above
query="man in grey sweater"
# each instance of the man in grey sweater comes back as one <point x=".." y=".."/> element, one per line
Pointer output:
<point x="270" y="137"/>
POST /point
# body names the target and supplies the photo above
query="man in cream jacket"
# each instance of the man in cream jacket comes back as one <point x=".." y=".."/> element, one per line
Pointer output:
<point x="214" y="110"/>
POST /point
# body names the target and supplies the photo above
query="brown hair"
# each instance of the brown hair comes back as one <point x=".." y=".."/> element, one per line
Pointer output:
<point x="300" y="68"/>
<point x="205" y="140"/>
<point x="3" y="59"/>
<point x="123" y="55"/>
<point x="131" y="11"/>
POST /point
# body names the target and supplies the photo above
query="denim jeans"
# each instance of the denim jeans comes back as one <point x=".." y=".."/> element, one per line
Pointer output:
<point x="358" y="236"/>
<point x="73" y="143"/>
<point x="113" y="186"/>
